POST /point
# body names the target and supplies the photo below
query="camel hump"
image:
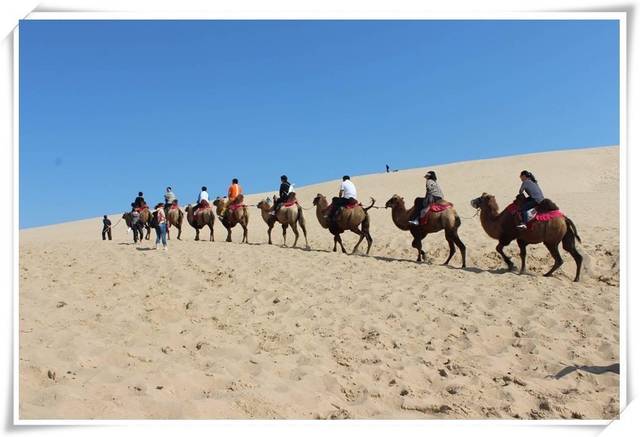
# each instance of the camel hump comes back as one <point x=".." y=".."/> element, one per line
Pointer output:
<point x="547" y="205"/>
<point x="443" y="202"/>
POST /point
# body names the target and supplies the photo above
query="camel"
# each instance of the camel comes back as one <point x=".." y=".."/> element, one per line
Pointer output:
<point x="348" y="219"/>
<point x="200" y="219"/>
<point x="232" y="215"/>
<point x="502" y="227"/>
<point x="145" y="219"/>
<point x="138" y="233"/>
<point x="175" y="216"/>
<point x="286" y="216"/>
<point x="446" y="220"/>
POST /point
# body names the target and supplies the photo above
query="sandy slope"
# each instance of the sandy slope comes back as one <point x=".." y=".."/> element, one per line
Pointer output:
<point x="224" y="330"/>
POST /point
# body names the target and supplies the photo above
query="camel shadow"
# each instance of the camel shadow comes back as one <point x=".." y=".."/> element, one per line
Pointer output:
<point x="596" y="370"/>
<point x="145" y="248"/>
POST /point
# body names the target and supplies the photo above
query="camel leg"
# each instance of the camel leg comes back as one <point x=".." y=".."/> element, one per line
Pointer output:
<point x="569" y="244"/>
<point x="304" y="232"/>
<point x="461" y="246"/>
<point x="211" y="232"/>
<point x="228" y="235"/>
<point x="452" y="247"/>
<point x="417" y="243"/>
<point x="367" y="234"/>
<point x="245" y="233"/>
<point x="168" y="234"/>
<point x="361" y="234"/>
<point x="179" y="231"/>
<point x="269" y="232"/>
<point x="284" y="234"/>
<point x="197" y="234"/>
<point x="553" y="249"/>
<point x="339" y="240"/>
<point x="506" y="259"/>
<point x="148" y="232"/>
<point x="523" y="255"/>
<point x="294" y="228"/>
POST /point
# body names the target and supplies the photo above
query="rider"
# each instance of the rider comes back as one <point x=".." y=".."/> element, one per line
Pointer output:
<point x="202" y="196"/>
<point x="285" y="187"/>
<point x="434" y="194"/>
<point x="234" y="191"/>
<point x="139" y="202"/>
<point x="346" y="196"/>
<point x="532" y="189"/>
<point x="169" y="199"/>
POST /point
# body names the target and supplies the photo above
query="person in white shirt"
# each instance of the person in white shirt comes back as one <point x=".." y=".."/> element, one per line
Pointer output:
<point x="346" y="196"/>
<point x="202" y="196"/>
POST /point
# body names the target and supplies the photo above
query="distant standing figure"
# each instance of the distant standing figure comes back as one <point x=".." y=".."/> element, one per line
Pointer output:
<point x="160" y="226"/>
<point x="106" y="228"/>
<point x="387" y="168"/>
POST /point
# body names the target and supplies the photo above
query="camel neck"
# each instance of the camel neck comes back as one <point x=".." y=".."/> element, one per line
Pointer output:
<point x="490" y="220"/>
<point x="400" y="216"/>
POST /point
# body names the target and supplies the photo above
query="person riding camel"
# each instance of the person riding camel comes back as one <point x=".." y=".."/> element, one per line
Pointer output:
<point x="139" y="202"/>
<point x="433" y="194"/>
<point x="235" y="190"/>
<point x="532" y="189"/>
<point x="202" y="198"/>
<point x="169" y="199"/>
<point x="346" y="196"/>
<point x="285" y="189"/>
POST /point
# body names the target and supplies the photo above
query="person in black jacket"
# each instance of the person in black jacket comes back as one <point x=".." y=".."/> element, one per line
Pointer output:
<point x="285" y="186"/>
<point x="139" y="202"/>
<point x="106" y="227"/>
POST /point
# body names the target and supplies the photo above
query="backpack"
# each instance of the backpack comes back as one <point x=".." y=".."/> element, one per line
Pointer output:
<point x="154" y="219"/>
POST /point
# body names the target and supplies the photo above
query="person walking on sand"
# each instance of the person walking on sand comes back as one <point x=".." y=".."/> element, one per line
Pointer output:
<point x="160" y="221"/>
<point x="136" y="224"/>
<point x="387" y="168"/>
<point x="106" y="228"/>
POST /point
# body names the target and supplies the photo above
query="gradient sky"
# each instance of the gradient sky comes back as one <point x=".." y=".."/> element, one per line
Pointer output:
<point x="110" y="108"/>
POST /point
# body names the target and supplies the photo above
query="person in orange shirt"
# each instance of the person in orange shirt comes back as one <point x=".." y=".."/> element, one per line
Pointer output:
<point x="234" y="191"/>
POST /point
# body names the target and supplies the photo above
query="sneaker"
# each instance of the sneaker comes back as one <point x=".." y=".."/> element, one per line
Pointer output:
<point x="165" y="248"/>
<point x="414" y="222"/>
<point x="521" y="226"/>
<point x="157" y="247"/>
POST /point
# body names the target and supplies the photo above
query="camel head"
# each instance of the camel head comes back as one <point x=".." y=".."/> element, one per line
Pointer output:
<point x="264" y="205"/>
<point x="483" y="201"/>
<point x="317" y="199"/>
<point x="394" y="201"/>
<point x="218" y="200"/>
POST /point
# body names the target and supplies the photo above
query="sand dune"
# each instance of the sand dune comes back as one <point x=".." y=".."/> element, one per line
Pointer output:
<point x="223" y="330"/>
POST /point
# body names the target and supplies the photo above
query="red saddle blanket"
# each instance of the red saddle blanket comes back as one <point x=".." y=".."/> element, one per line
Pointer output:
<point x="534" y="215"/>
<point x="235" y="206"/>
<point x="290" y="203"/>
<point x="434" y="207"/>
<point x="174" y="206"/>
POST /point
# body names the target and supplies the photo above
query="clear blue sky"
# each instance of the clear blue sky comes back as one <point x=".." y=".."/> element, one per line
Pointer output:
<point x="110" y="108"/>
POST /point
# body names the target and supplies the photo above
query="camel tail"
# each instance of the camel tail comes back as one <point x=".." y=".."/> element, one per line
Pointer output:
<point x="373" y="202"/>
<point x="572" y="228"/>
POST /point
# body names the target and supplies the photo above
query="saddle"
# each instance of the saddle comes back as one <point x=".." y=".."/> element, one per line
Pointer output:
<point x="439" y="206"/>
<point x="174" y="206"/>
<point x="235" y="206"/>
<point x="543" y="212"/>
